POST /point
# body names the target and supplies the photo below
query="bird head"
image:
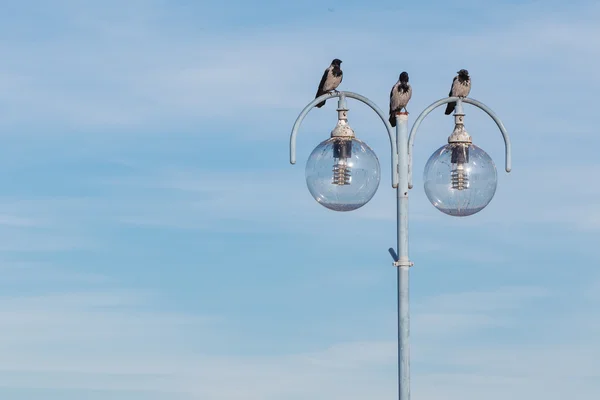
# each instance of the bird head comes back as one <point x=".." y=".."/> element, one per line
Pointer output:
<point x="336" y="62"/>
<point x="463" y="73"/>
<point x="404" y="77"/>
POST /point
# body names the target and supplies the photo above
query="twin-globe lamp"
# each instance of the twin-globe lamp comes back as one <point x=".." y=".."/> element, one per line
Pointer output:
<point x="343" y="173"/>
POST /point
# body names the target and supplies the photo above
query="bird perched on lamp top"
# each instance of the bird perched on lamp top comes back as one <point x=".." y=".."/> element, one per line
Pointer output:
<point x="399" y="96"/>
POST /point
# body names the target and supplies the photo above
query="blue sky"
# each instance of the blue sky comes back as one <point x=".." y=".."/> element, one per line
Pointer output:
<point x="155" y="242"/>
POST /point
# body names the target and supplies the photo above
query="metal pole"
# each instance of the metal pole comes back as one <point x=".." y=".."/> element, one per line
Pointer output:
<point x="403" y="263"/>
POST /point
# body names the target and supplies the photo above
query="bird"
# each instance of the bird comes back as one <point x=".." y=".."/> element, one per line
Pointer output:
<point x="461" y="86"/>
<point x="332" y="77"/>
<point x="399" y="96"/>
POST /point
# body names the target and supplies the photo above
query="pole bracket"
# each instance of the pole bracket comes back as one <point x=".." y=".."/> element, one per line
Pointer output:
<point x="397" y="262"/>
<point x="403" y="263"/>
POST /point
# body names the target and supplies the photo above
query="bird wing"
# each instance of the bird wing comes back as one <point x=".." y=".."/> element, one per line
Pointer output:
<point x="392" y="98"/>
<point x="322" y="84"/>
<point x="452" y="87"/>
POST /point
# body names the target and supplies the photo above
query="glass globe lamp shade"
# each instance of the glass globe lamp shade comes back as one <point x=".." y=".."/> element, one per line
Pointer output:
<point x="342" y="173"/>
<point x="460" y="179"/>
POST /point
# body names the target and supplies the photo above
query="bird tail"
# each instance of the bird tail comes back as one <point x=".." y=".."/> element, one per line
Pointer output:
<point x="450" y="108"/>
<point x="393" y="119"/>
<point x="321" y="104"/>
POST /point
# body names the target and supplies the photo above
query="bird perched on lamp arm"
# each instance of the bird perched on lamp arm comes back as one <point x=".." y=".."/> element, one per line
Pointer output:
<point x="461" y="86"/>
<point x="332" y="77"/>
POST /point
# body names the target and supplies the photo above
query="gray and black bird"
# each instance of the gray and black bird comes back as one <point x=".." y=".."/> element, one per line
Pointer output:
<point x="332" y="77"/>
<point x="461" y="86"/>
<point x="399" y="96"/>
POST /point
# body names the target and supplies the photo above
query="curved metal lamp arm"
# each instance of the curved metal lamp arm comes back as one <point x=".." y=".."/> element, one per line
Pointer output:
<point x="413" y="131"/>
<point x="342" y="96"/>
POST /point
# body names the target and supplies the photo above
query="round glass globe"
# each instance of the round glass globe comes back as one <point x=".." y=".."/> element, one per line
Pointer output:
<point x="342" y="174"/>
<point x="460" y="179"/>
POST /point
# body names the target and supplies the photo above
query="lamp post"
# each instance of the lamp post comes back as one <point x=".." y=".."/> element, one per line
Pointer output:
<point x="343" y="174"/>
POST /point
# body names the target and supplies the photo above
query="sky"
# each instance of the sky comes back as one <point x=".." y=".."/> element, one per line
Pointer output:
<point x="156" y="243"/>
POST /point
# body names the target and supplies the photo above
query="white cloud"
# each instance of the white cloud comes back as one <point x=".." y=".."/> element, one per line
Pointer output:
<point x="26" y="273"/>
<point x="505" y="298"/>
<point x="448" y="317"/>
<point x="37" y="226"/>
<point x="13" y="220"/>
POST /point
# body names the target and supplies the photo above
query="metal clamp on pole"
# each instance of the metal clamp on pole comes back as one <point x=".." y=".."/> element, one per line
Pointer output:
<point x="397" y="262"/>
<point x="403" y="263"/>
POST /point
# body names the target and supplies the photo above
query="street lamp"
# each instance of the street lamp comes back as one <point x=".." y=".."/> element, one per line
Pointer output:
<point x="343" y="174"/>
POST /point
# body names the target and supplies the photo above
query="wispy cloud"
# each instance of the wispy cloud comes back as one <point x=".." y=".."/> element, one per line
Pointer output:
<point x="204" y="197"/>
<point x="115" y="347"/>
<point x="192" y="74"/>
<point x="506" y="298"/>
